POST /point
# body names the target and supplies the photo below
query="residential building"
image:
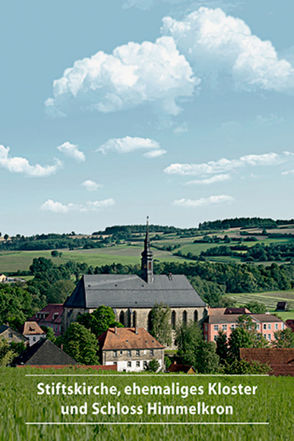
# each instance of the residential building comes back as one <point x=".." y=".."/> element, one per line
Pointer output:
<point x="44" y="353"/>
<point x="130" y="349"/>
<point x="11" y="336"/>
<point x="33" y="332"/>
<point x="281" y="360"/>
<point x="266" y="324"/>
<point x="185" y="368"/>
<point x="51" y="317"/>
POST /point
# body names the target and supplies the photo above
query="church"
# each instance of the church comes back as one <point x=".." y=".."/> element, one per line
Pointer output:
<point x="132" y="297"/>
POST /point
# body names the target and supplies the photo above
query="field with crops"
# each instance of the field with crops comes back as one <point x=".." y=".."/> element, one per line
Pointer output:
<point x="273" y="403"/>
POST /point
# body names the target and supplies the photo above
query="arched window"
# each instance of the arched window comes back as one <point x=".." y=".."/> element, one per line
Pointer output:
<point x="173" y="319"/>
<point x="184" y="317"/>
<point x="122" y="317"/>
<point x="134" y="319"/>
<point x="149" y="321"/>
<point x="195" y="315"/>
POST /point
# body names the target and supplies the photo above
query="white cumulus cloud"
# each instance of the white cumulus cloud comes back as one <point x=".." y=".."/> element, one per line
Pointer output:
<point x="224" y="165"/>
<point x="59" y="207"/>
<point x="155" y="153"/>
<point x="18" y="164"/>
<point x="91" y="185"/>
<point x="212" y="180"/>
<point x="129" y="144"/>
<point x="219" y="199"/>
<point x="72" y="151"/>
<point x="216" y="43"/>
<point x="132" y="75"/>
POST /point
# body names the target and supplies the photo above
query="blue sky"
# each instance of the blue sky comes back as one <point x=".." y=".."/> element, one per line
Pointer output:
<point x="177" y="109"/>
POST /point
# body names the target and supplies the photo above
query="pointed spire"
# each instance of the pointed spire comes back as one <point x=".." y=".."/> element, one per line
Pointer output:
<point x="147" y="257"/>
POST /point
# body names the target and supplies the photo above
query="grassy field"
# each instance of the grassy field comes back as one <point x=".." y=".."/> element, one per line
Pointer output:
<point x="11" y="261"/>
<point x="269" y="299"/>
<point x="273" y="403"/>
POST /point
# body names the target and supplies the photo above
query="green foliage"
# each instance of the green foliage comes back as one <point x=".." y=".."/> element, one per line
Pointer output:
<point x="160" y="324"/>
<point x="18" y="348"/>
<point x="210" y="292"/>
<point x="222" y="348"/>
<point x="167" y="362"/>
<point x="50" y="334"/>
<point x="195" y="351"/>
<point x="243" y="367"/>
<point x="256" y="307"/>
<point x="99" y="320"/>
<point x="15" y="305"/>
<point x="81" y="344"/>
<point x="59" y="291"/>
<point x="153" y="365"/>
<point x="284" y="339"/>
<point x="6" y="353"/>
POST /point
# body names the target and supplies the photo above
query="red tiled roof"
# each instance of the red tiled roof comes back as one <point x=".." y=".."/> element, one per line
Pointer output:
<point x="50" y="310"/>
<point x="280" y="360"/>
<point x="237" y="311"/>
<point x="176" y="367"/>
<point x="127" y="338"/>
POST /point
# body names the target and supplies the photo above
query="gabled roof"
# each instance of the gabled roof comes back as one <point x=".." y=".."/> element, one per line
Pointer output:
<point x="127" y="338"/>
<point x="3" y="328"/>
<point x="130" y="291"/>
<point x="176" y="367"/>
<point x="236" y="311"/>
<point x="280" y="360"/>
<point x="32" y="328"/>
<point x="233" y="318"/>
<point x="53" y="313"/>
<point x="44" y="352"/>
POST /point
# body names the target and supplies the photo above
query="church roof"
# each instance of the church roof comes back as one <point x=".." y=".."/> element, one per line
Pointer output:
<point x="131" y="291"/>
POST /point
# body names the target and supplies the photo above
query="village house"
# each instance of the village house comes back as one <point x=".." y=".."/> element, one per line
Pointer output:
<point x="132" y="297"/>
<point x="266" y="324"/>
<point x="178" y="367"/>
<point x="11" y="336"/>
<point x="130" y="349"/>
<point x="33" y="332"/>
<point x="51" y="317"/>
<point x="44" y="353"/>
<point x="280" y="360"/>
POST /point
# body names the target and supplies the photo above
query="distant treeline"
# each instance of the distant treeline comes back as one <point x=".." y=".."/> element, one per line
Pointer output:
<point x="244" y="222"/>
<point x="51" y="242"/>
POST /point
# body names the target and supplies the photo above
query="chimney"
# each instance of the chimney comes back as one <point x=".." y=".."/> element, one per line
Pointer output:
<point x="61" y="347"/>
<point x="115" y="330"/>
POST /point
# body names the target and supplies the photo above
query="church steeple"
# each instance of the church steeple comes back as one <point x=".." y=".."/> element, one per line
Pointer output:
<point x="147" y="257"/>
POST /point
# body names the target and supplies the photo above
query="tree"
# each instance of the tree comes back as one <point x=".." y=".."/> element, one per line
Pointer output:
<point x="160" y="324"/>
<point x="6" y="236"/>
<point x="243" y="367"/>
<point x="60" y="290"/>
<point x="99" y="320"/>
<point x="81" y="344"/>
<point x="167" y="362"/>
<point x="256" y="307"/>
<point x="49" y="333"/>
<point x="153" y="365"/>
<point x="206" y="358"/>
<point x="245" y="336"/>
<point x="284" y="339"/>
<point x="6" y="353"/>
<point x="222" y="348"/>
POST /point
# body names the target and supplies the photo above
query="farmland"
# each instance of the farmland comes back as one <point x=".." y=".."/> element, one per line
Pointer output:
<point x="273" y="402"/>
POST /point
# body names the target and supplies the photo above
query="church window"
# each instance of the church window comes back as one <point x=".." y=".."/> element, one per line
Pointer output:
<point x="134" y="319"/>
<point x="184" y="317"/>
<point x="173" y="319"/>
<point x="195" y="315"/>
<point x="122" y="317"/>
<point x="149" y="321"/>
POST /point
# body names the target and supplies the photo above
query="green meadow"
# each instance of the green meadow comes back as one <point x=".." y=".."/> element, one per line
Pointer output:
<point x="273" y="403"/>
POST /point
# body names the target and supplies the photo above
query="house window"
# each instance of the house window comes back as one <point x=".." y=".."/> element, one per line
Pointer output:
<point x="151" y="352"/>
<point x="269" y="326"/>
<point x="121" y="352"/>
<point x="257" y="327"/>
<point x="264" y="335"/>
<point x="34" y="338"/>
<point x="276" y="326"/>
<point x="225" y="327"/>
<point x="184" y="317"/>
<point x="215" y="327"/>
<point x="269" y="336"/>
<point x="115" y="354"/>
<point x="129" y="353"/>
<point x="145" y="364"/>
<point x="138" y="353"/>
<point x="264" y="326"/>
<point x="138" y="364"/>
<point x="115" y="363"/>
<point x="215" y="337"/>
<point x="10" y="335"/>
<point x="232" y="326"/>
<point x="129" y="364"/>
<point x="283" y="326"/>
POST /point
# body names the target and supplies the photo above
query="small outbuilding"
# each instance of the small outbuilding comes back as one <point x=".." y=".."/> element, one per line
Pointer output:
<point x="44" y="353"/>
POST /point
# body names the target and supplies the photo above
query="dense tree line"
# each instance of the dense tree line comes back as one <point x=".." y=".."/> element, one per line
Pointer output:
<point x="243" y="222"/>
<point x="36" y="243"/>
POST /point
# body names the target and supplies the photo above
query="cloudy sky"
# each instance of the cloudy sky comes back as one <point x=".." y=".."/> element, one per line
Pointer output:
<point x="177" y="109"/>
